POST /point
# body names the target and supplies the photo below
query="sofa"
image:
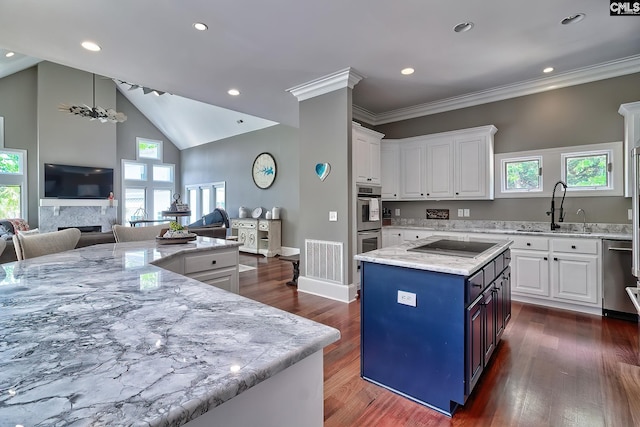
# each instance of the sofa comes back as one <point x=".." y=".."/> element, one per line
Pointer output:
<point x="216" y="230"/>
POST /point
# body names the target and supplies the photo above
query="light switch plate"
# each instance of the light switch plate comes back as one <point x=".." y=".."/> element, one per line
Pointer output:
<point x="407" y="298"/>
<point x="397" y="211"/>
<point x="630" y="214"/>
<point x="466" y="212"/>
<point x="460" y="213"/>
<point x="333" y="216"/>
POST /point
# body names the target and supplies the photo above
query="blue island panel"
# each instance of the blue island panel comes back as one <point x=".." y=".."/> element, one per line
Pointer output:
<point x="419" y="351"/>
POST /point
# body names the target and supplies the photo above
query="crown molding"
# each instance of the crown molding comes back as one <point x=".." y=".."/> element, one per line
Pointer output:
<point x="630" y="108"/>
<point x="347" y="77"/>
<point x="593" y="73"/>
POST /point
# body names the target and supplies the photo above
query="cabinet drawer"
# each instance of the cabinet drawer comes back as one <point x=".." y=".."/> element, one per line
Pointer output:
<point x="415" y="234"/>
<point x="475" y="286"/>
<point x="489" y="271"/>
<point x="209" y="261"/>
<point x="528" y="242"/>
<point x="263" y="226"/>
<point x="239" y="223"/>
<point x="502" y="261"/>
<point x="579" y="246"/>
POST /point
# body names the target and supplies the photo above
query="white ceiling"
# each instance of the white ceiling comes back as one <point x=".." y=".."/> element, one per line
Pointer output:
<point x="264" y="48"/>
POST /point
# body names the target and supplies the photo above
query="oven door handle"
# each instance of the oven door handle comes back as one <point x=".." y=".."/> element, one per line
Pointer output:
<point x="362" y="233"/>
<point x="365" y="200"/>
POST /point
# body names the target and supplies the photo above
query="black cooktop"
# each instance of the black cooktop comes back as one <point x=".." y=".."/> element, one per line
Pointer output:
<point x="454" y="247"/>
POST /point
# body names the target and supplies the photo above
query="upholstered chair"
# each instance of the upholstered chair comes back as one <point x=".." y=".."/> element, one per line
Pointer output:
<point x="39" y="244"/>
<point x="135" y="234"/>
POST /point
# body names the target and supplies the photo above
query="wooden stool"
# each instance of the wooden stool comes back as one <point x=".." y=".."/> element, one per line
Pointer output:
<point x="295" y="260"/>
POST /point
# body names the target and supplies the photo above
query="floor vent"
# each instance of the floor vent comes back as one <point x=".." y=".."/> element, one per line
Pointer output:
<point x="323" y="260"/>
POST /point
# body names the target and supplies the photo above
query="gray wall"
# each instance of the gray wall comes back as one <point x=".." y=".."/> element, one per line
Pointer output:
<point x="231" y="160"/>
<point x="577" y="115"/>
<point x="137" y="125"/>
<point x="325" y="136"/>
<point x="29" y="103"/>
<point x="19" y="107"/>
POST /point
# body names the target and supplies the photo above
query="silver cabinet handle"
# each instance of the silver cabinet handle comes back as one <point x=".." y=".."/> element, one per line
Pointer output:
<point x="621" y="249"/>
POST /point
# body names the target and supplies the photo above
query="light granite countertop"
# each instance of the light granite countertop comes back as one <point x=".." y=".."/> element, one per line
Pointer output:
<point x="99" y="336"/>
<point x="463" y="266"/>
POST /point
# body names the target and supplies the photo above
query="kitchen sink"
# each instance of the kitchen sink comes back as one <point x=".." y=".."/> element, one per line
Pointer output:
<point x="469" y="249"/>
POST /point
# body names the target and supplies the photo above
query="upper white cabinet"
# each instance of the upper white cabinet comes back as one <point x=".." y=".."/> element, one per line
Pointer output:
<point x="389" y="172"/>
<point x="443" y="166"/>
<point x="366" y="154"/>
<point x="412" y="170"/>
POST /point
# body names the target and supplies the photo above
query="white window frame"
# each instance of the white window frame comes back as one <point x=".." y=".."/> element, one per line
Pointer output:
<point x="198" y="211"/>
<point x="608" y="153"/>
<point x="553" y="167"/>
<point x="148" y="184"/>
<point x="19" y="179"/>
<point x="503" y="174"/>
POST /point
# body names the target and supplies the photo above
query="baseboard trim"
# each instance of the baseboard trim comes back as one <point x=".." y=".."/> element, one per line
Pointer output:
<point x="597" y="311"/>
<point x="334" y="291"/>
<point x="287" y="251"/>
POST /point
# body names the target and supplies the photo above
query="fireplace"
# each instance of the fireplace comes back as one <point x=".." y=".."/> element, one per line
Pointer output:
<point x="85" y="229"/>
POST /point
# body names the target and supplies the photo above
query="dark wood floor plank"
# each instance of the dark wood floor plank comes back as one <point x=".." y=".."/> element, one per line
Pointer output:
<point x="552" y="367"/>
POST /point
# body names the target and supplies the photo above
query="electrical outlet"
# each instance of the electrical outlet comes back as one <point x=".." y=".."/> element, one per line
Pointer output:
<point x="407" y="298"/>
<point x="333" y="216"/>
<point x="397" y="211"/>
<point x="460" y="213"/>
<point x="467" y="212"/>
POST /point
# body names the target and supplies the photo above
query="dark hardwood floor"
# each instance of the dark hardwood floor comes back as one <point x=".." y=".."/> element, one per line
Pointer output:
<point x="552" y="367"/>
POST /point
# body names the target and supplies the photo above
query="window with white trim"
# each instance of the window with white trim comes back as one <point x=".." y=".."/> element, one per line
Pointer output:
<point x="590" y="170"/>
<point x="13" y="183"/>
<point x="204" y="198"/>
<point x="522" y="174"/>
<point x="148" y="184"/>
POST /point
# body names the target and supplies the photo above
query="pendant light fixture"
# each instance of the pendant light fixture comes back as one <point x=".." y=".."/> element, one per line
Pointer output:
<point x="94" y="113"/>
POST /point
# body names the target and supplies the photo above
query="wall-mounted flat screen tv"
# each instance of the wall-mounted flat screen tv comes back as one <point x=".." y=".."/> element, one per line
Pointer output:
<point x="77" y="182"/>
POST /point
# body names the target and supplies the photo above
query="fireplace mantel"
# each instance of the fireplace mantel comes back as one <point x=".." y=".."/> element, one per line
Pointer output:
<point x="57" y="203"/>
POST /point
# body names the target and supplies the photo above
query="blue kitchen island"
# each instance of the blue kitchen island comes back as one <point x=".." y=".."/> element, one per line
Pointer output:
<point x="431" y="320"/>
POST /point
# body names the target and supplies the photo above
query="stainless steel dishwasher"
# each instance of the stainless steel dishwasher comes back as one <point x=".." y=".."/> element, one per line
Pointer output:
<point x="616" y="276"/>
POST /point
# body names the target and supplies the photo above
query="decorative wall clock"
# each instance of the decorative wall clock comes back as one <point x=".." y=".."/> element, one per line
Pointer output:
<point x="264" y="170"/>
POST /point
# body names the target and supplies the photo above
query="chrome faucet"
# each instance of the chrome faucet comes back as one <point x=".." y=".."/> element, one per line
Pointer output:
<point x="584" y="219"/>
<point x="555" y="226"/>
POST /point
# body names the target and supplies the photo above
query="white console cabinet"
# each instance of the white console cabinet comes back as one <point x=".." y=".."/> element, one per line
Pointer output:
<point x="258" y="236"/>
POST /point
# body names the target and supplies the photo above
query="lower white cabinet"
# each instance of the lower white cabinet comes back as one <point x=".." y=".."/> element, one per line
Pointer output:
<point x="391" y="237"/>
<point x="560" y="272"/>
<point x="218" y="268"/>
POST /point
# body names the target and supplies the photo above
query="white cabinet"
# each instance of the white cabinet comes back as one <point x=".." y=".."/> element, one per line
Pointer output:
<point x="258" y="236"/>
<point x="440" y="157"/>
<point x="412" y="170"/>
<point x="391" y="237"/>
<point x="389" y="169"/>
<point x="366" y="154"/>
<point x="445" y="166"/>
<point x="560" y="272"/>
<point x="415" y="234"/>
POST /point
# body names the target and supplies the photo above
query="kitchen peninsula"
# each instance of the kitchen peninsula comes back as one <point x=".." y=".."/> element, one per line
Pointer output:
<point x="102" y="336"/>
<point x="433" y="312"/>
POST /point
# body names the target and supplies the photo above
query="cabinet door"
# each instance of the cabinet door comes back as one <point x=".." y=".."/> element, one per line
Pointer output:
<point x="530" y="272"/>
<point x="489" y="319"/>
<point x="574" y="277"/>
<point x="224" y="278"/>
<point x="361" y="155"/>
<point x="475" y="364"/>
<point x="440" y="169"/>
<point x="389" y="173"/>
<point x="374" y="161"/>
<point x="412" y="171"/>
<point x="472" y="159"/>
<point x="500" y="308"/>
<point x="506" y="291"/>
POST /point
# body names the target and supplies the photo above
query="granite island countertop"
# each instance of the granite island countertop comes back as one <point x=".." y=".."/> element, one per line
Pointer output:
<point x="99" y="336"/>
<point x="460" y="265"/>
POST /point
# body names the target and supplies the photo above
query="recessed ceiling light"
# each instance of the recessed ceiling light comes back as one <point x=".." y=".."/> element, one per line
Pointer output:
<point x="200" y="26"/>
<point x="93" y="47"/>
<point x="233" y="92"/>
<point x="463" y="27"/>
<point x="573" y="19"/>
<point x="407" y="71"/>
<point x="547" y="70"/>
<point x="9" y="54"/>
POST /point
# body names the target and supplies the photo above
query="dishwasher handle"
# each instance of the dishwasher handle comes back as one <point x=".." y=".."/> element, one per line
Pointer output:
<point x="621" y="249"/>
